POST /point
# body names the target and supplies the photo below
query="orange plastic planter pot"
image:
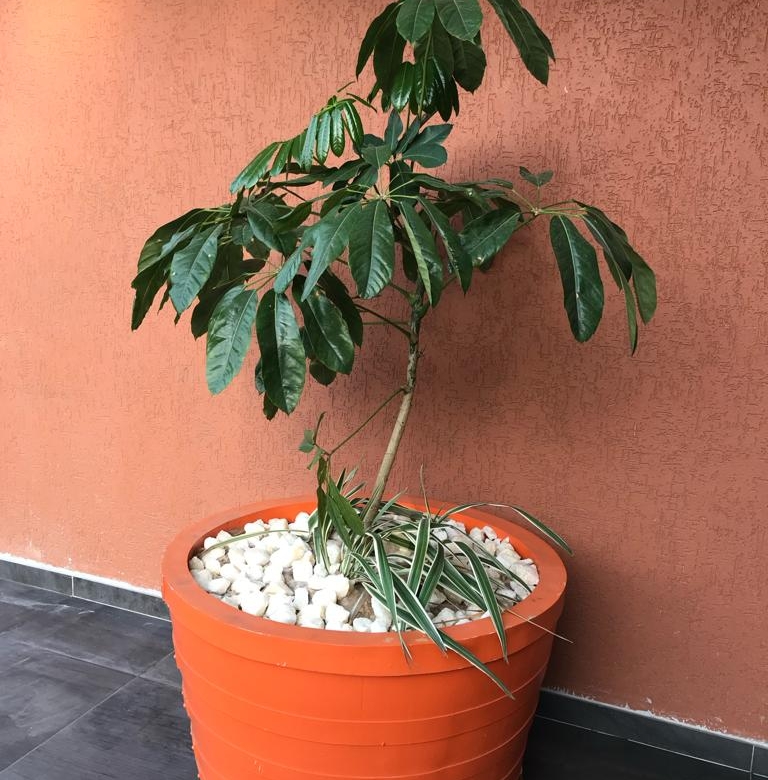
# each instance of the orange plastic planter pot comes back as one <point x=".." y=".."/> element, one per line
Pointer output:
<point x="278" y="702"/>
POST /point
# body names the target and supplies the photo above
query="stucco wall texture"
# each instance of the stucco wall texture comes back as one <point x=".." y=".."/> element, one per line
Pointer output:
<point x="117" y="116"/>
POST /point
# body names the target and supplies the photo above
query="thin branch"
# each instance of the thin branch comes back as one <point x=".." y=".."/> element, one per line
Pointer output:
<point x="384" y="319"/>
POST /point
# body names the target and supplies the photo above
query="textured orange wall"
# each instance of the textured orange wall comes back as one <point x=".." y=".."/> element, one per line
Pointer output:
<point x="116" y="116"/>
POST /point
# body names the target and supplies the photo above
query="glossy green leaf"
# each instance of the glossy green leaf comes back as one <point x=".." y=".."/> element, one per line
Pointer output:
<point x="321" y="373"/>
<point x="265" y="218"/>
<point x="372" y="249"/>
<point x="191" y="267"/>
<point x="309" y="138"/>
<point x="527" y="36"/>
<point x="229" y="336"/>
<point x="388" y="57"/>
<point x="288" y="270"/>
<point x="415" y="18"/>
<point x="424" y="250"/>
<point x="427" y="155"/>
<point x="147" y="284"/>
<point x="282" y="353"/>
<point x="537" y="179"/>
<point x="469" y="64"/>
<point x="326" y="330"/>
<point x="394" y="131"/>
<point x="419" y="617"/>
<point x="255" y="170"/>
<point x="347" y="512"/>
<point x="383" y="20"/>
<point x="167" y="237"/>
<point x="461" y="18"/>
<point x="433" y="576"/>
<point x="402" y="86"/>
<point x="457" y="255"/>
<point x="282" y="158"/>
<point x="323" y="137"/>
<point x="420" y="549"/>
<point x="203" y="311"/>
<point x="329" y="237"/>
<point x="582" y="286"/>
<point x="644" y="282"/>
<point x="614" y="250"/>
<point x="353" y="122"/>
<point x="376" y="155"/>
<point x="335" y="289"/>
<point x="484" y="236"/>
<point x="338" y="137"/>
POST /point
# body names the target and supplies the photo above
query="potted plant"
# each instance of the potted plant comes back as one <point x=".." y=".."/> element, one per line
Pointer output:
<point x="321" y="224"/>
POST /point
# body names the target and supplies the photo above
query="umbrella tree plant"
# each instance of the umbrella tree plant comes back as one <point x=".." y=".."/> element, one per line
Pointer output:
<point x="332" y="218"/>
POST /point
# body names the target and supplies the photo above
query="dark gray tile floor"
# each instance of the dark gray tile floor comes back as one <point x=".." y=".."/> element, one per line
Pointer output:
<point x="89" y="692"/>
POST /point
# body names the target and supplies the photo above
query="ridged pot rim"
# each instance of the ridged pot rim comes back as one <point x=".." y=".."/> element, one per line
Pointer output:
<point x="197" y="608"/>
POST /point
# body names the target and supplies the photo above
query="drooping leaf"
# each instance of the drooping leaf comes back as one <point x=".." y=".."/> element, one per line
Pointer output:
<point x="425" y="252"/>
<point x="388" y="56"/>
<point x="265" y="218"/>
<point x="288" y="270"/>
<point x="255" y="170"/>
<point x="282" y="158"/>
<point x="338" y="137"/>
<point x="308" y="145"/>
<point x="383" y="20"/>
<point x="336" y="290"/>
<point x="282" y="353"/>
<point x="166" y="238"/>
<point x="644" y="282"/>
<point x="484" y="236"/>
<point x="461" y="18"/>
<point x="229" y="336"/>
<point x="393" y="131"/>
<point x="352" y="121"/>
<point x="582" y="286"/>
<point x="527" y="36"/>
<point x="537" y="179"/>
<point x="147" y="284"/>
<point x="402" y="86"/>
<point x="415" y="18"/>
<point x="191" y="267"/>
<point x="326" y="329"/>
<point x="329" y="237"/>
<point x="372" y="249"/>
<point x="469" y="64"/>
<point x="457" y="255"/>
<point x="321" y="373"/>
<point x="323" y="137"/>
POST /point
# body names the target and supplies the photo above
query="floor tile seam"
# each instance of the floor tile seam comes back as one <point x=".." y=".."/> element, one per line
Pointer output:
<point x="122" y="609"/>
<point x="61" y="653"/>
<point x="745" y="770"/>
<point x="68" y="725"/>
<point x="752" y="762"/>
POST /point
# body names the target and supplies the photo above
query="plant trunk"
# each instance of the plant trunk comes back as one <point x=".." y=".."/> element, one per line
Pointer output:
<point x="417" y="314"/>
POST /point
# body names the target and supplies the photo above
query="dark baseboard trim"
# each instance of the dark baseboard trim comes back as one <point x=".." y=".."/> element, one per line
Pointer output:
<point x="723" y="749"/>
<point x="113" y="594"/>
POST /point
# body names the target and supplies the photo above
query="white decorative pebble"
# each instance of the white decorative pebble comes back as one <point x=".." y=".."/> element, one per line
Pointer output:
<point x="244" y="585"/>
<point x="301" y="523"/>
<point x="312" y="612"/>
<point x="254" y="603"/>
<point x="324" y="597"/>
<point x="335" y="613"/>
<point x="445" y="615"/>
<point x="255" y="573"/>
<point x="302" y="571"/>
<point x="202" y="577"/>
<point x="334" y="551"/>
<point x="378" y="628"/>
<point x="256" y="556"/>
<point x="338" y="583"/>
<point x="223" y="536"/>
<point x="281" y="613"/>
<point x="218" y="585"/>
<point x="306" y="622"/>
<point x="316" y="582"/>
<point x="320" y="570"/>
<point x="232" y="599"/>
<point x="278" y="524"/>
<point x="489" y="532"/>
<point x="237" y="557"/>
<point x="338" y="627"/>
<point x="229" y="572"/>
<point x="477" y="535"/>
<point x="196" y="564"/>
<point x="212" y="563"/>
<point x="300" y="597"/>
<point x="209" y="541"/>
<point x="362" y="624"/>
<point x="273" y="573"/>
<point x="282" y="557"/>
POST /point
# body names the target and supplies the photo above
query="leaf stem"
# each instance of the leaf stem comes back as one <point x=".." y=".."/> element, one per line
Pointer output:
<point x="384" y="319"/>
